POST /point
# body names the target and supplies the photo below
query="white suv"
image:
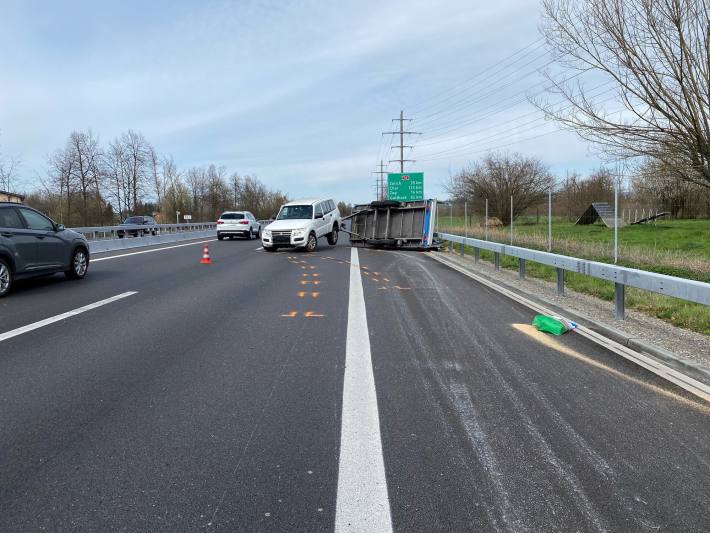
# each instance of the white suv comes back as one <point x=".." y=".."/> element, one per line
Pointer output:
<point x="242" y="223"/>
<point x="300" y="224"/>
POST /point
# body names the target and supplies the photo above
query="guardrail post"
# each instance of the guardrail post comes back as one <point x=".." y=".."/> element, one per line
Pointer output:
<point x="560" y="281"/>
<point x="619" y="301"/>
<point x="496" y="256"/>
<point x="463" y="248"/>
<point x="521" y="268"/>
<point x="476" y="254"/>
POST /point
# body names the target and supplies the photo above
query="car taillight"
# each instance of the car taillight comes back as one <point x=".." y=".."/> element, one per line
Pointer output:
<point x="220" y="222"/>
<point x="244" y="222"/>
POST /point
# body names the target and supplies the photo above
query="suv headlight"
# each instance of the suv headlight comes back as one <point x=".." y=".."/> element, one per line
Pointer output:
<point x="298" y="233"/>
<point x="267" y="233"/>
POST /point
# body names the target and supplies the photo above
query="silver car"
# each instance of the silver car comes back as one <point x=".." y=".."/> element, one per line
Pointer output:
<point x="238" y="224"/>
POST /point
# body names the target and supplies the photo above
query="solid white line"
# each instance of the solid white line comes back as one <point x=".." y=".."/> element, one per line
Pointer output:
<point x="362" y="502"/>
<point x="149" y="251"/>
<point x="57" y="318"/>
<point x="259" y="248"/>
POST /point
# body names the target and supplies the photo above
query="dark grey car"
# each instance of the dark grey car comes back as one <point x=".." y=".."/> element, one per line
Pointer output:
<point x="33" y="245"/>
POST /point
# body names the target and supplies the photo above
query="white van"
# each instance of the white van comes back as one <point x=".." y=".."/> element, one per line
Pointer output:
<point x="301" y="223"/>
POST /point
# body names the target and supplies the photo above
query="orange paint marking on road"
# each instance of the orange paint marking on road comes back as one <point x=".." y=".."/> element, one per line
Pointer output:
<point x="402" y="288"/>
<point x="292" y="314"/>
<point x="312" y="314"/>
<point x="310" y="281"/>
<point x="303" y="294"/>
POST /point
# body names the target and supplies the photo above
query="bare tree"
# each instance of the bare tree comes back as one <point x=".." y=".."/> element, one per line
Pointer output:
<point x="8" y="172"/>
<point x="63" y="177"/>
<point x="136" y="150"/>
<point x="154" y="168"/>
<point x="196" y="184"/>
<point x="656" y="54"/>
<point x="83" y="149"/>
<point x="498" y="177"/>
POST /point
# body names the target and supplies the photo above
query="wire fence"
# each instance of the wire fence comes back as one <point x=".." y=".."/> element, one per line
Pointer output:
<point x="640" y="235"/>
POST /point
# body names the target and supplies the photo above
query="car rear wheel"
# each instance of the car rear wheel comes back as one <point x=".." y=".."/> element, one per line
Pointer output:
<point x="79" y="264"/>
<point x="333" y="236"/>
<point x="219" y="237"/>
<point x="312" y="243"/>
<point x="250" y="234"/>
<point x="5" y="278"/>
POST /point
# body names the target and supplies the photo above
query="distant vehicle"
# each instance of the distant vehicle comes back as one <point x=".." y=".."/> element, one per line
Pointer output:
<point x="33" y="245"/>
<point x="151" y="227"/>
<point x="301" y="223"/>
<point x="238" y="223"/>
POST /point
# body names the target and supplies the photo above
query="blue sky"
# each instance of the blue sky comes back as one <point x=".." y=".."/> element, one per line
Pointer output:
<point x="295" y="92"/>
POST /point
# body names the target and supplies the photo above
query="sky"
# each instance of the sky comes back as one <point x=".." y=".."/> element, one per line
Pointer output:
<point x="296" y="92"/>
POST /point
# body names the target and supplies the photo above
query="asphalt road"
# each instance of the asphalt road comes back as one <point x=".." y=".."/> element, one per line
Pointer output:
<point x="217" y="397"/>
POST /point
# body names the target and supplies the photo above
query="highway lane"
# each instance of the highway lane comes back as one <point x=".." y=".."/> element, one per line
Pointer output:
<point x="486" y="427"/>
<point x="212" y="398"/>
<point x="191" y="404"/>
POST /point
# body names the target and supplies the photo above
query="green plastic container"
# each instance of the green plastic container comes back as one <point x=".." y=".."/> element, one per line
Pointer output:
<point x="550" y="324"/>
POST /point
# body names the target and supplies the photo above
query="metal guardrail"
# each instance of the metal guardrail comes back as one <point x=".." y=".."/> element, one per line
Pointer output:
<point x="684" y="289"/>
<point x="111" y="232"/>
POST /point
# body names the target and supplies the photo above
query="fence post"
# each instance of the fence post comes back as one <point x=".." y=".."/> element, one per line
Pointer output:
<point x="465" y="227"/>
<point x="476" y="254"/>
<point x="521" y="268"/>
<point x="560" y="281"/>
<point x="496" y="256"/>
<point x="619" y="301"/>
<point x="485" y="222"/>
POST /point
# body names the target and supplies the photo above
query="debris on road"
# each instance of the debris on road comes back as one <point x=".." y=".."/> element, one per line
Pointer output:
<point x="553" y="324"/>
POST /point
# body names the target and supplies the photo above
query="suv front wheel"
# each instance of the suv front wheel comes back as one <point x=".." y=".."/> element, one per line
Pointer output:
<point x="5" y="278"/>
<point x="312" y="243"/>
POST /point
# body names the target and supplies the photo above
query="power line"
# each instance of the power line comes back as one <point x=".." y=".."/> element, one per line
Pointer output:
<point x="498" y="64"/>
<point x="401" y="145"/>
<point x="380" y="181"/>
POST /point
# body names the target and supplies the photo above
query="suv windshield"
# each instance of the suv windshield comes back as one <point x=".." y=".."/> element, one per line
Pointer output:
<point x="296" y="212"/>
<point x="133" y="220"/>
<point x="232" y="216"/>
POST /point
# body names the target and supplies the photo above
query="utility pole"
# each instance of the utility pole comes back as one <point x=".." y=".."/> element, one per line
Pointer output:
<point x="401" y="145"/>
<point x="380" y="181"/>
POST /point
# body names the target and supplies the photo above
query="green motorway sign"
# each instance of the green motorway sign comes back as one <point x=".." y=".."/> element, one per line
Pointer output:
<point x="408" y="187"/>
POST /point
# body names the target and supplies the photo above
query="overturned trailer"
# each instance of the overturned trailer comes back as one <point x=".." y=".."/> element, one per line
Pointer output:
<point x="394" y="224"/>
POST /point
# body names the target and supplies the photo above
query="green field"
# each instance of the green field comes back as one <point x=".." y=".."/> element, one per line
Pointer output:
<point x="678" y="247"/>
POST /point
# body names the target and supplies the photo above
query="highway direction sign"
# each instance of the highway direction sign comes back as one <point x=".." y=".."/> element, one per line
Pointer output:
<point x="408" y="187"/>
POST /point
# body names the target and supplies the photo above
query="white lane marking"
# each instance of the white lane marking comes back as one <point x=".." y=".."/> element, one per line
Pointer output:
<point x="362" y="501"/>
<point x="259" y="248"/>
<point x="51" y="320"/>
<point x="149" y="251"/>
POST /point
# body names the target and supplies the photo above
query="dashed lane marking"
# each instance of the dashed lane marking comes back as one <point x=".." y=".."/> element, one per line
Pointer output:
<point x="47" y="321"/>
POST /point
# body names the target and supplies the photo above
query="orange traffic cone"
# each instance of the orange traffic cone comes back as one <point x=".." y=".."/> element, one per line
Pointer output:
<point x="206" y="256"/>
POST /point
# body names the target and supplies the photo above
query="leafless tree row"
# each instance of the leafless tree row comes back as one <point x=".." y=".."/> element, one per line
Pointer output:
<point x="88" y="183"/>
